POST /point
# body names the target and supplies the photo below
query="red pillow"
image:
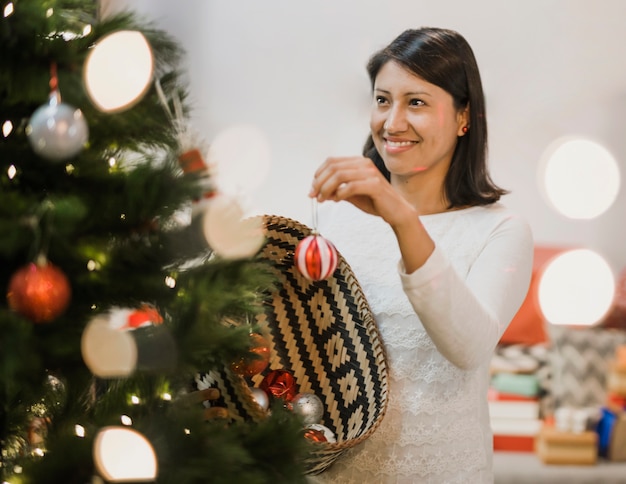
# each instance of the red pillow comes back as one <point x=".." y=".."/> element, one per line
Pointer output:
<point x="528" y="326"/>
<point x="616" y="317"/>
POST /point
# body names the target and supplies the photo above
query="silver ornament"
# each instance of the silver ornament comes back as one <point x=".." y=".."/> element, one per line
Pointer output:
<point x="261" y="398"/>
<point x="309" y="407"/>
<point x="57" y="131"/>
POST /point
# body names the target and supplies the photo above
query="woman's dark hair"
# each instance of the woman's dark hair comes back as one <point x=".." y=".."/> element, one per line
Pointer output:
<point x="444" y="58"/>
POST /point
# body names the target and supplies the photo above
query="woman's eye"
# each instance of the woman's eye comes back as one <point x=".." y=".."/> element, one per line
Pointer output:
<point x="416" y="102"/>
<point x="380" y="100"/>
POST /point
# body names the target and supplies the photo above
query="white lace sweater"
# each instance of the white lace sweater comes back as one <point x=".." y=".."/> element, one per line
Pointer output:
<point x="439" y="325"/>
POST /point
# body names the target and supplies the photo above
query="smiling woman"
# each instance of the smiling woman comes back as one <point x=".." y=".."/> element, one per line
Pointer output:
<point x="443" y="264"/>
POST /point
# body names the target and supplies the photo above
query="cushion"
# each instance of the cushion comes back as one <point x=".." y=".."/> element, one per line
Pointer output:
<point x="579" y="359"/>
<point x="616" y="317"/>
<point x="528" y="326"/>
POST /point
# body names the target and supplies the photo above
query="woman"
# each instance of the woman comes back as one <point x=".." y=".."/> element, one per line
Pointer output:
<point x="444" y="265"/>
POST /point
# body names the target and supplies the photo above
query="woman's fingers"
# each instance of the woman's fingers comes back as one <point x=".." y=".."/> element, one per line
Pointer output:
<point x="333" y="179"/>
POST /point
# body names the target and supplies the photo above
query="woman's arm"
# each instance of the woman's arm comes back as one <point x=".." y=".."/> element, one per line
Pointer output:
<point x="466" y="318"/>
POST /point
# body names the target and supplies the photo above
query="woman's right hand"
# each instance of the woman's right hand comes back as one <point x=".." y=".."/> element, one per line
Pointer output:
<point x="357" y="180"/>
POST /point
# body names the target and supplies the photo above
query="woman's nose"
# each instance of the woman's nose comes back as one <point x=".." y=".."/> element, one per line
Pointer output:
<point x="396" y="120"/>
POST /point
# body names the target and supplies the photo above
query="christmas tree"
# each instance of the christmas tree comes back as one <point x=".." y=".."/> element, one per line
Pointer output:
<point x="114" y="301"/>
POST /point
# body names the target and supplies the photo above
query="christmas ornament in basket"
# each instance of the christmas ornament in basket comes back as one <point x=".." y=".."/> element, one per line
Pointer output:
<point x="322" y="333"/>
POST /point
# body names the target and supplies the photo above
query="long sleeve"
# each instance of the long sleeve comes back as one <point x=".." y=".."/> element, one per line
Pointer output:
<point x="465" y="316"/>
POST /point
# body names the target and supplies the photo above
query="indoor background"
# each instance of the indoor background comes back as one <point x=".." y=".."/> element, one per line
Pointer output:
<point x="295" y="71"/>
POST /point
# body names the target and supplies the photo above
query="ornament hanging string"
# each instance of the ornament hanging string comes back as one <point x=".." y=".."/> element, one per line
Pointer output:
<point x="177" y="117"/>
<point x="314" y="215"/>
<point x="54" y="80"/>
<point x="41" y="224"/>
<point x="187" y="140"/>
<point x="55" y="94"/>
<point x="190" y="155"/>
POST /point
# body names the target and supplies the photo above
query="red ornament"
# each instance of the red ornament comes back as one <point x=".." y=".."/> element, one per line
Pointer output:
<point x="319" y="433"/>
<point x="146" y="315"/>
<point x="279" y="384"/>
<point x="315" y="435"/>
<point x="192" y="161"/>
<point x="257" y="359"/>
<point x="316" y="258"/>
<point x="39" y="291"/>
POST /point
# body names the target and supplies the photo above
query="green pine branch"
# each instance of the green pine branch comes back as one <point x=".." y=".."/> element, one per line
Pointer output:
<point x="108" y="219"/>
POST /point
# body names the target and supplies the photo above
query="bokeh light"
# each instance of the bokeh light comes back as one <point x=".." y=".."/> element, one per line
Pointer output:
<point x="124" y="455"/>
<point x="576" y="287"/>
<point x="228" y="233"/>
<point x="118" y="71"/>
<point x="107" y="351"/>
<point x="579" y="178"/>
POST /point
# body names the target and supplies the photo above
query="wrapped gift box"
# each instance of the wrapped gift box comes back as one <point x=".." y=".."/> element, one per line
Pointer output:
<point x="555" y="446"/>
<point x="611" y="431"/>
<point x="617" y="445"/>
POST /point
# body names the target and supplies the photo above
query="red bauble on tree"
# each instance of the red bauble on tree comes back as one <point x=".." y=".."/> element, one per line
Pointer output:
<point x="39" y="291"/>
<point x="257" y="359"/>
<point x="146" y="315"/>
<point x="316" y="257"/>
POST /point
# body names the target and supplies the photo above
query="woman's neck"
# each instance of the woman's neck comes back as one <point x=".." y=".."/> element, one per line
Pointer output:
<point x="425" y="195"/>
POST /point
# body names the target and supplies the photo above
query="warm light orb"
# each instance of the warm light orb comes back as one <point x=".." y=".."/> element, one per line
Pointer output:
<point x="124" y="455"/>
<point x="576" y="288"/>
<point x="118" y="70"/>
<point x="579" y="177"/>
<point x="228" y="233"/>
<point x="107" y="351"/>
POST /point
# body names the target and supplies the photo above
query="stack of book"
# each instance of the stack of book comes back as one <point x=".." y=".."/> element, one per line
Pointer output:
<point x="514" y="412"/>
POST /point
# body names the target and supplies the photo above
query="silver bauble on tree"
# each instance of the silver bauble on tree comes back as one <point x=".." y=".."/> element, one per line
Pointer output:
<point x="57" y="131"/>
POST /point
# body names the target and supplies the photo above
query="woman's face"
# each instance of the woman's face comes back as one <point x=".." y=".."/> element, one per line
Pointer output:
<point x="414" y="124"/>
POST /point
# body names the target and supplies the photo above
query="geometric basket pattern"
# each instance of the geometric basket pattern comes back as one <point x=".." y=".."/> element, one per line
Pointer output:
<point x="325" y="334"/>
<point x="580" y="361"/>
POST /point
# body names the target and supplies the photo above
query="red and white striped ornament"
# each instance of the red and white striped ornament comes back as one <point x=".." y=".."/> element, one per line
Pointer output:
<point x="316" y="257"/>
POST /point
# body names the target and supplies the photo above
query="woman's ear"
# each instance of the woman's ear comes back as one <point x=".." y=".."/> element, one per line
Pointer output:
<point x="463" y="118"/>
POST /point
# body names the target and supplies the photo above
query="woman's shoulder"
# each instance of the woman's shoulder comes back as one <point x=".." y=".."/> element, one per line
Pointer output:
<point x="481" y="223"/>
<point x="501" y="221"/>
<point x="492" y="214"/>
<point x="495" y="213"/>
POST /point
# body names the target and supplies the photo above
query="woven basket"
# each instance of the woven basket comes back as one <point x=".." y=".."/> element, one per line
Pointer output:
<point x="325" y="334"/>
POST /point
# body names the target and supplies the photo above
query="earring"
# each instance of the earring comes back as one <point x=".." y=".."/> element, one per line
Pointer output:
<point x="465" y="129"/>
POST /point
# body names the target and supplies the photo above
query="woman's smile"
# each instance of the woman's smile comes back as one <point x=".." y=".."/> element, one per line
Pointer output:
<point x="395" y="146"/>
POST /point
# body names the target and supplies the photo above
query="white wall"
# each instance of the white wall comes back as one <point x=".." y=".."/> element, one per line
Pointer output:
<point x="296" y="70"/>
